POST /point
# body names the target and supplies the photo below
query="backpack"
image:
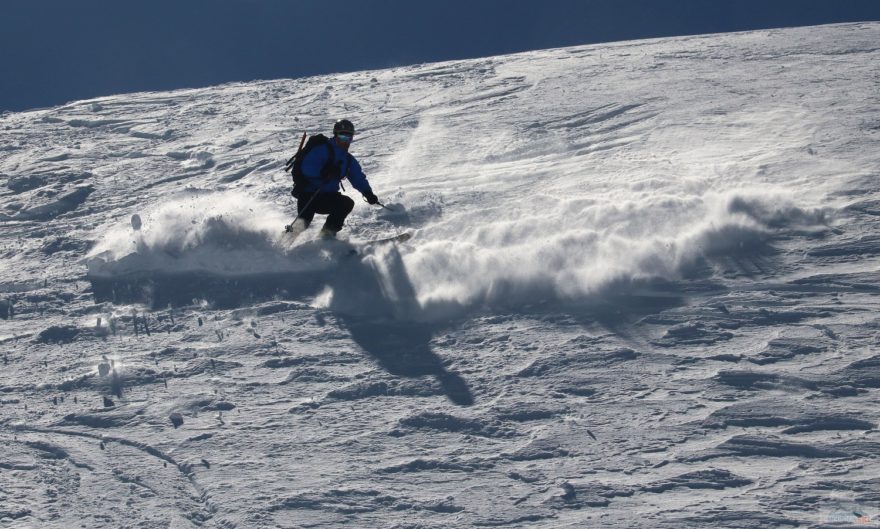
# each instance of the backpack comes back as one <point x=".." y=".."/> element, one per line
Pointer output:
<point x="294" y="165"/>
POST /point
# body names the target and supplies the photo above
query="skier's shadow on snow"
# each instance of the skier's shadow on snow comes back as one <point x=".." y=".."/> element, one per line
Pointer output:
<point x="374" y="299"/>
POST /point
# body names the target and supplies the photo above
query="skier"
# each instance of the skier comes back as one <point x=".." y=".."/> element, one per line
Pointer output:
<point x="323" y="169"/>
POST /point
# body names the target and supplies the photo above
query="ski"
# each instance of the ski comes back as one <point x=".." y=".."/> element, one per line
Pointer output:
<point x="401" y="237"/>
<point x="363" y="245"/>
<point x="292" y="232"/>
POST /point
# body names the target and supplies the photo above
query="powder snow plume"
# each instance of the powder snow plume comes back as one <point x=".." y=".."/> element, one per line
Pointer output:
<point x="581" y="247"/>
<point x="218" y="233"/>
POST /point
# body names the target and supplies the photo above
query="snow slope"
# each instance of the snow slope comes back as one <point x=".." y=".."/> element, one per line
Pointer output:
<point x="641" y="292"/>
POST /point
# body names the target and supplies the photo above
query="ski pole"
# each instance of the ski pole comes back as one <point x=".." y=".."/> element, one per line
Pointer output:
<point x="289" y="227"/>
<point x="380" y="204"/>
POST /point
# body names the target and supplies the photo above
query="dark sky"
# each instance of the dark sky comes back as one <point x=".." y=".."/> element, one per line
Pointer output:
<point x="54" y="51"/>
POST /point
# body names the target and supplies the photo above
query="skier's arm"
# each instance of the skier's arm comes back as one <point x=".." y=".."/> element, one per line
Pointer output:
<point x="358" y="179"/>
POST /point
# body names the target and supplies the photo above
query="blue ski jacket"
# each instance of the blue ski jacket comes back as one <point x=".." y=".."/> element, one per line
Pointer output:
<point x="344" y="163"/>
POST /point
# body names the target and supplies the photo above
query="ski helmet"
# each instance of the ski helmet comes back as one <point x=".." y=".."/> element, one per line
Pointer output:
<point x="343" y="126"/>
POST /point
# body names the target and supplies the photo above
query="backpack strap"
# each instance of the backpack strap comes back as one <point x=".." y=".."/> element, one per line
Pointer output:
<point x="347" y="170"/>
<point x="348" y="167"/>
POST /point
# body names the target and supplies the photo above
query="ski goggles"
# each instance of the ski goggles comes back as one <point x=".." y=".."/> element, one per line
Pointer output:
<point x="347" y="138"/>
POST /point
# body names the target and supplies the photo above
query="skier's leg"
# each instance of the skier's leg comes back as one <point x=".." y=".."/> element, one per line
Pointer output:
<point x="307" y="214"/>
<point x="338" y="209"/>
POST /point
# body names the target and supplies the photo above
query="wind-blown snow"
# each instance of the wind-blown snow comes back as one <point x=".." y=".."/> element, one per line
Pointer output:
<point x="217" y="232"/>
<point x="641" y="292"/>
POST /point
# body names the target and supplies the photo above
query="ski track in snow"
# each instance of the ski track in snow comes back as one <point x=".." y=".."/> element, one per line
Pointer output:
<point x="642" y="292"/>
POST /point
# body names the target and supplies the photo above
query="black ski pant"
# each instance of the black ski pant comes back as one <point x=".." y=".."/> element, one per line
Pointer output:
<point x="335" y="205"/>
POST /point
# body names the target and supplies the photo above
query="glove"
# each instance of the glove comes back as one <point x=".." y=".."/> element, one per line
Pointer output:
<point x="371" y="199"/>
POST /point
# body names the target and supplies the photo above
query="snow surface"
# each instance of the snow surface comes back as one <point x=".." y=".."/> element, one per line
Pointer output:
<point x="641" y="292"/>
